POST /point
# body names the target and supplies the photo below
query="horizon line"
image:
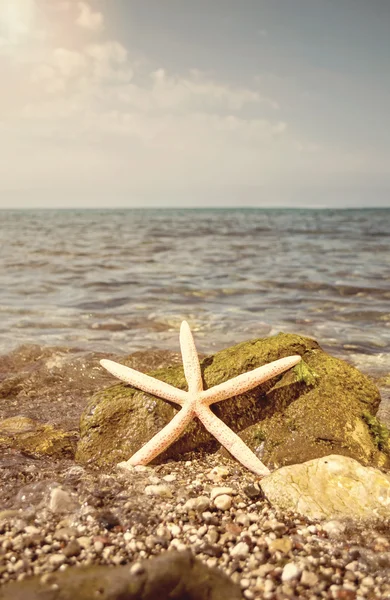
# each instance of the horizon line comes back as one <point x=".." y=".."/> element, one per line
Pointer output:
<point x="189" y="208"/>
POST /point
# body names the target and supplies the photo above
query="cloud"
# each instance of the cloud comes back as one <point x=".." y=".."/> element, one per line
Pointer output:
<point x="89" y="117"/>
<point x="89" y="19"/>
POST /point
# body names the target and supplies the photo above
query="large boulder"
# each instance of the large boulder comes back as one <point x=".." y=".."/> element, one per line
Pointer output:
<point x="322" y="406"/>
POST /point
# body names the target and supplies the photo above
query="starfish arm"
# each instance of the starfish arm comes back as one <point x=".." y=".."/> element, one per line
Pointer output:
<point x="190" y="359"/>
<point x="247" y="381"/>
<point x="231" y="441"/>
<point x="164" y="438"/>
<point x="145" y="382"/>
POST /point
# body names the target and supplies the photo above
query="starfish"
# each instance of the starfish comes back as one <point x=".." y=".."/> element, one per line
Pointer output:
<point x="196" y="402"/>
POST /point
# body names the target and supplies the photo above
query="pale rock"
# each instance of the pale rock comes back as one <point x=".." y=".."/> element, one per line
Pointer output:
<point x="240" y="550"/>
<point x="154" y="480"/>
<point x="269" y="586"/>
<point x="162" y="491"/>
<point x="330" y="487"/>
<point x="56" y="559"/>
<point x="200" y="504"/>
<point x="219" y="491"/>
<point x="61" y="501"/>
<point x="291" y="571"/>
<point x="218" y="474"/>
<point x="84" y="541"/>
<point x="283" y="544"/>
<point x="334" y="528"/>
<point x="264" y="569"/>
<point x="223" y="502"/>
<point x="126" y="467"/>
<point x="309" y="579"/>
<point x="98" y="547"/>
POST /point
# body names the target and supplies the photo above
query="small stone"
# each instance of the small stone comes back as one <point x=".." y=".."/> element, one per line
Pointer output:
<point x="368" y="581"/>
<point x="162" y="491"/>
<point x="291" y="571"/>
<point x="223" y="502"/>
<point x="175" y="530"/>
<point x="47" y="578"/>
<point x="154" y="480"/>
<point x="107" y="519"/>
<point x="219" y="491"/>
<point x="218" y="474"/>
<point x="137" y="569"/>
<point x="309" y="579"/>
<point x="98" y="547"/>
<point x="212" y="536"/>
<point x="64" y="533"/>
<point x="283" y="544"/>
<point x="126" y="468"/>
<point x="31" y="530"/>
<point x="243" y="519"/>
<point x="253" y="492"/>
<point x="56" y="559"/>
<point x="269" y="586"/>
<point x="169" y="478"/>
<point x="245" y="583"/>
<point x="240" y="550"/>
<point x="61" y="501"/>
<point x="201" y="503"/>
<point x="72" y="549"/>
<point x="334" y="528"/>
<point x="263" y="570"/>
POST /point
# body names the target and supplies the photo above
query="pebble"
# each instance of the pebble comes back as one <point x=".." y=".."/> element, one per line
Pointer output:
<point x="309" y="579"/>
<point x="291" y="571"/>
<point x="201" y="503"/>
<point x="223" y="502"/>
<point x="240" y="550"/>
<point x="271" y="554"/>
<point x="218" y="474"/>
<point x="61" y="501"/>
<point x="283" y="544"/>
<point x="72" y="549"/>
<point x="162" y="491"/>
<point x="334" y="528"/>
<point x="56" y="560"/>
<point x="219" y="491"/>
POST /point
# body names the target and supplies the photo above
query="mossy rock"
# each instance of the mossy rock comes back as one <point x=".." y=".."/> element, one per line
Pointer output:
<point x="35" y="438"/>
<point x="120" y="419"/>
<point x="334" y="414"/>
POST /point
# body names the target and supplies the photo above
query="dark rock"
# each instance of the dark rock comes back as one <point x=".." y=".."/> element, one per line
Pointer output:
<point x="107" y="519"/>
<point x="72" y="549"/>
<point x="171" y="575"/>
<point x="253" y="492"/>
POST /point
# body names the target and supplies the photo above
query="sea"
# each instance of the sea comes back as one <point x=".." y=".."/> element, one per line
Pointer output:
<point x="123" y="280"/>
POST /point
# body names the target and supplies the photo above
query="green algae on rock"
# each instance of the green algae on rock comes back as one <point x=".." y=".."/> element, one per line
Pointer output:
<point x="299" y="418"/>
<point x="35" y="438"/>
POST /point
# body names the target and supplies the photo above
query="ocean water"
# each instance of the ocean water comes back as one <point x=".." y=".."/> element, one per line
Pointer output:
<point x="123" y="280"/>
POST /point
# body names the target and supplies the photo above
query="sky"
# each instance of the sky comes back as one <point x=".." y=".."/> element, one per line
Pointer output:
<point x="127" y="103"/>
